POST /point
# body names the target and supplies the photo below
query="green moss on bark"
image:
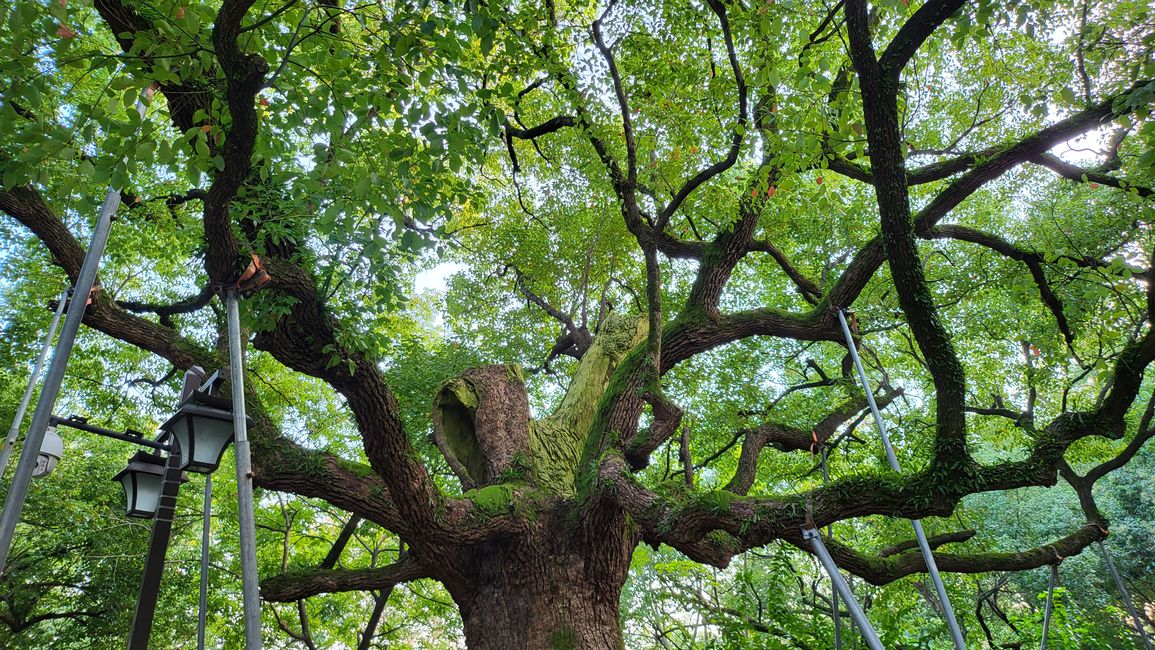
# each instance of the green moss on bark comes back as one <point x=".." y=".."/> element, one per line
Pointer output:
<point x="563" y="639"/>
<point x="717" y="501"/>
<point x="457" y="402"/>
<point x="492" y="499"/>
<point x="557" y="441"/>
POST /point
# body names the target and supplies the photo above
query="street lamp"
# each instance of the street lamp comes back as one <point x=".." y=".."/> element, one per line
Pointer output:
<point x="194" y="438"/>
<point x="203" y="433"/>
<point x="142" y="480"/>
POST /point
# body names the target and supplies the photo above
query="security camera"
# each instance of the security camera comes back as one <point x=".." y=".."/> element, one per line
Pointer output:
<point x="51" y="449"/>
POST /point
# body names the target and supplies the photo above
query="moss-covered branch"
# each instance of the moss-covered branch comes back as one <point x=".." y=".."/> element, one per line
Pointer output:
<point x="295" y="586"/>
<point x="884" y="569"/>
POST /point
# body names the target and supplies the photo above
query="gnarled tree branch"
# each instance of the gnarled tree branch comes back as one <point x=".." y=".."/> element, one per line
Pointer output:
<point x="289" y="587"/>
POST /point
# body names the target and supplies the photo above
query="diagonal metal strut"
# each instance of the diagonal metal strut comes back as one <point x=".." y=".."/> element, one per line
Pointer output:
<point x="923" y="546"/>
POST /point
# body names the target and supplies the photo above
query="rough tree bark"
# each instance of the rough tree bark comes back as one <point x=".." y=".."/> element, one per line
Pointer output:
<point x="556" y="588"/>
<point x="556" y="583"/>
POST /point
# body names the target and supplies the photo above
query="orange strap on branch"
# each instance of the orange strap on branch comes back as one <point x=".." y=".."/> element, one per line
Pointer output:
<point x="254" y="276"/>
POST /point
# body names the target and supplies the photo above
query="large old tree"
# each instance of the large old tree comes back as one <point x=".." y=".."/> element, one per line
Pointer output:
<point x="656" y="210"/>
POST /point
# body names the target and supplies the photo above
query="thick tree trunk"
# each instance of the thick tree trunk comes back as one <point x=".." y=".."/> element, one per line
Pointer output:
<point x="555" y="584"/>
<point x="545" y="595"/>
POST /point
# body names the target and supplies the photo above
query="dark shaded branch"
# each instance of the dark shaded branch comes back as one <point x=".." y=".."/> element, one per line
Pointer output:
<point x="1024" y="150"/>
<point x="155" y="382"/>
<point x="914" y="32"/>
<point x="244" y="73"/>
<point x="623" y="103"/>
<point x="934" y="542"/>
<point x="623" y="189"/>
<point x="18" y="624"/>
<point x="727" y="248"/>
<point x="849" y="169"/>
<point x="806" y="287"/>
<point x="947" y="168"/>
<point x="814" y="39"/>
<point x="28" y="207"/>
<point x="880" y="106"/>
<point x="304" y="636"/>
<point x="171" y="200"/>
<point x="884" y="570"/>
<point x="688" y="339"/>
<point x="186" y="306"/>
<point x="1122" y="458"/>
<point x="667" y="419"/>
<point x="1015" y="416"/>
<point x="269" y="18"/>
<point x="380" y="600"/>
<point x="987" y="165"/>
<point x="574" y="340"/>
<point x="184" y="99"/>
<point x="334" y="554"/>
<point x="686" y="457"/>
<point x="306" y="340"/>
<point x="554" y="312"/>
<point x="720" y="166"/>
<point x="1034" y="262"/>
<point x="290" y="587"/>
<point x="786" y="438"/>
<point x="550" y="126"/>
<point x="679" y="249"/>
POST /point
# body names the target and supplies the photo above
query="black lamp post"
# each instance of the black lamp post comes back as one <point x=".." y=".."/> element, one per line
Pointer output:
<point x="195" y="439"/>
<point x="165" y="508"/>
<point x="198" y="434"/>
<point x="151" y="485"/>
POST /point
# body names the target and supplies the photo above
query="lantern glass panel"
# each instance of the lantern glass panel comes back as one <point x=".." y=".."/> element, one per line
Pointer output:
<point x="142" y="481"/>
<point x="203" y="433"/>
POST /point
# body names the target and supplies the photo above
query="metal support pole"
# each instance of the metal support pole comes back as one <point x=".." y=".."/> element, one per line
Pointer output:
<point x="924" y="547"/>
<point x="840" y="586"/>
<point x="157" y="548"/>
<point x="249" y="584"/>
<point x="1126" y="597"/>
<point x="206" y="531"/>
<point x="10" y="441"/>
<point x="853" y="636"/>
<point x="18" y="492"/>
<point x="1050" y="604"/>
<point x="835" y="610"/>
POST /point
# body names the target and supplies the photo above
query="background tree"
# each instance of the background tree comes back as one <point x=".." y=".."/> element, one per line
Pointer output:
<point x="658" y="209"/>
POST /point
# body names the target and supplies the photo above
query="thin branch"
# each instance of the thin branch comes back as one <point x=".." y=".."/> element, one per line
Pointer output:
<point x="620" y="94"/>
<point x="1080" y="175"/>
<point x="720" y="166"/>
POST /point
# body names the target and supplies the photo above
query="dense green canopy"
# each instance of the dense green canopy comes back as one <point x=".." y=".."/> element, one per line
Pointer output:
<point x="549" y="355"/>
